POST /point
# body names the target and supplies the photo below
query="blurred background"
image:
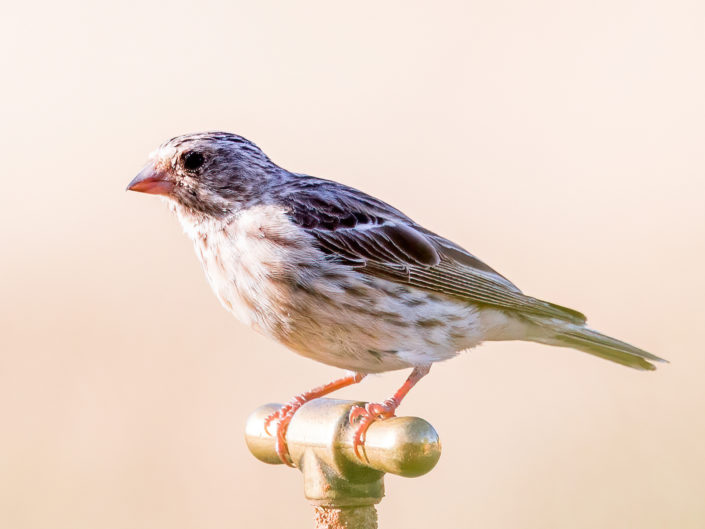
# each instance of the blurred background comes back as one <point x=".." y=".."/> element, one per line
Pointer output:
<point x="560" y="142"/>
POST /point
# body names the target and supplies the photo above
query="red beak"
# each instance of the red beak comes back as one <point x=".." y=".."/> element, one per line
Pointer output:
<point x="151" y="180"/>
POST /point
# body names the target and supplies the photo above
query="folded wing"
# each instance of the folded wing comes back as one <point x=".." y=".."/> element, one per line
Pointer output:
<point x="376" y="239"/>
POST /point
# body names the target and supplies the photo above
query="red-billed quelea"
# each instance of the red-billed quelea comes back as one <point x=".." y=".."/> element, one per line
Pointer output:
<point x="342" y="277"/>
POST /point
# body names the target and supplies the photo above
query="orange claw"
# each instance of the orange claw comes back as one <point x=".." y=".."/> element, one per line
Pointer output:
<point x="375" y="411"/>
<point x="368" y="414"/>
<point x="283" y="417"/>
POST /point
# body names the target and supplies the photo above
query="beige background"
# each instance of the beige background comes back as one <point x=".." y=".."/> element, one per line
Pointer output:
<point x="562" y="142"/>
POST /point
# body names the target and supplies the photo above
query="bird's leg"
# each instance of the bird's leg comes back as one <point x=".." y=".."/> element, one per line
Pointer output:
<point x="284" y="415"/>
<point x="383" y="410"/>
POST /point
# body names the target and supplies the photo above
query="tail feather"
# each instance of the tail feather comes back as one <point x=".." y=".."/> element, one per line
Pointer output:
<point x="595" y="343"/>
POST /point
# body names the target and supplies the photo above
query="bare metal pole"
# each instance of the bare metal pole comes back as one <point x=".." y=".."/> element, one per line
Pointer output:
<point x="342" y="489"/>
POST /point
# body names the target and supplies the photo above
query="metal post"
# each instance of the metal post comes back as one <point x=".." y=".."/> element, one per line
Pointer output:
<point x="343" y="489"/>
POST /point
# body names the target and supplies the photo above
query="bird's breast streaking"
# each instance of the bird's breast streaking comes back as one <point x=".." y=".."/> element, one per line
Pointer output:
<point x="279" y="283"/>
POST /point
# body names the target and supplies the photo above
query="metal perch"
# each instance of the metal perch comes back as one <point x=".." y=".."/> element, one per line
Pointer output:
<point x="343" y="489"/>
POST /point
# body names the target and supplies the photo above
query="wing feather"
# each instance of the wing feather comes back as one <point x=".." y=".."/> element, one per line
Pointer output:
<point x="376" y="239"/>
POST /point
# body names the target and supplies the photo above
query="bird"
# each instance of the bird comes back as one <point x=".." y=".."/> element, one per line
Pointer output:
<point x="344" y="278"/>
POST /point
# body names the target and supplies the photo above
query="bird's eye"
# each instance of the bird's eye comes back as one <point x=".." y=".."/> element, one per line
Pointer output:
<point x="193" y="160"/>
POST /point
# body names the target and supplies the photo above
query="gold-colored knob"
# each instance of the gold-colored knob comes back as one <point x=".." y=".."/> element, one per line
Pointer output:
<point x="405" y="446"/>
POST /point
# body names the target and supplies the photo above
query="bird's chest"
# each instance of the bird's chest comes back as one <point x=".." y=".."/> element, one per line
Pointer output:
<point x="253" y="265"/>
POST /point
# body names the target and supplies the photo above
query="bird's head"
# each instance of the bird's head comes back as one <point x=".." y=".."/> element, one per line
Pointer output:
<point x="210" y="173"/>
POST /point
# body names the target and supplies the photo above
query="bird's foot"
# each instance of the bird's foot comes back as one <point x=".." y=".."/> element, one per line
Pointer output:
<point x="284" y="414"/>
<point x="363" y="417"/>
<point x="282" y="417"/>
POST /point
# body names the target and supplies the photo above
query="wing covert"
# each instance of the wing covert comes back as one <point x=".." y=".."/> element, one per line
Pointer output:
<point x="376" y="239"/>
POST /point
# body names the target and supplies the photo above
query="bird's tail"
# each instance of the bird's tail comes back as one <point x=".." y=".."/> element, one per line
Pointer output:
<point x="583" y="338"/>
